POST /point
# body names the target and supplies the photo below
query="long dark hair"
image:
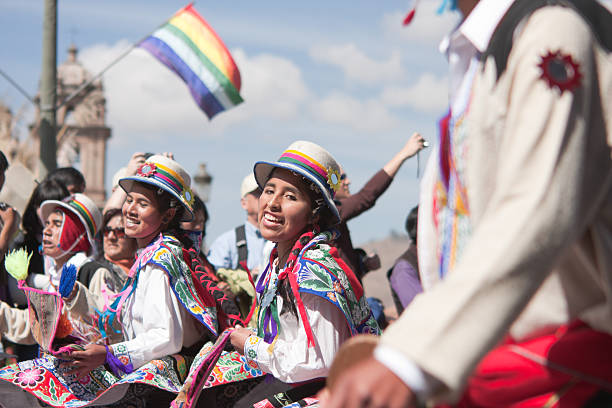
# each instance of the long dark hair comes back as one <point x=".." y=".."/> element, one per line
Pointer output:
<point x="68" y="176"/>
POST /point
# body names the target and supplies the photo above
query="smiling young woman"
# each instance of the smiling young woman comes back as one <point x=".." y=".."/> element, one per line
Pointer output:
<point x="285" y="210"/>
<point x="309" y="301"/>
<point x="165" y="314"/>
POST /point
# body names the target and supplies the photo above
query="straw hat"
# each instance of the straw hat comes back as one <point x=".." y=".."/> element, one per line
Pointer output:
<point x="83" y="207"/>
<point x="311" y="161"/>
<point x="167" y="174"/>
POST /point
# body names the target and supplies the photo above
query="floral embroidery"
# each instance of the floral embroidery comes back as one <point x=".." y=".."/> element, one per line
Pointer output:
<point x="29" y="377"/>
<point x="147" y="170"/>
<point x="337" y="287"/>
<point x="250" y="347"/>
<point x="249" y="366"/>
<point x="252" y="340"/>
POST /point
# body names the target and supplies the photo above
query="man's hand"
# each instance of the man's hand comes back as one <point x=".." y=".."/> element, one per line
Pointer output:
<point x="134" y="164"/>
<point x="413" y="146"/>
<point x="369" y="385"/>
<point x="371" y="262"/>
<point x="82" y="362"/>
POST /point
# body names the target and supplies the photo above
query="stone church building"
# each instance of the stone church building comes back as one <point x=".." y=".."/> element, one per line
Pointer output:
<point x="81" y="128"/>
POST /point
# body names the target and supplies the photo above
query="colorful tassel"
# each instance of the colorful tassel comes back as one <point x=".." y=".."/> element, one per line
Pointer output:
<point x="17" y="262"/>
<point x="67" y="280"/>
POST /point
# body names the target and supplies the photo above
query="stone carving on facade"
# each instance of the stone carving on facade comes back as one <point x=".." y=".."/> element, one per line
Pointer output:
<point x="81" y="127"/>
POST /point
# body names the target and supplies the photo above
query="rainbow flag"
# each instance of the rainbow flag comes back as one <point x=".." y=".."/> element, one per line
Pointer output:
<point x="188" y="45"/>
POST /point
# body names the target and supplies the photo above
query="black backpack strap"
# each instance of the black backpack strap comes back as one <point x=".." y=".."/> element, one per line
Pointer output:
<point x="241" y="245"/>
<point x="87" y="271"/>
<point x="596" y="15"/>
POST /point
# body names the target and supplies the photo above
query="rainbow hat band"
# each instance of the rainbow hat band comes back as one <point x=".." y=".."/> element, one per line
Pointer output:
<point x="83" y="207"/>
<point x="168" y="175"/>
<point x="311" y="161"/>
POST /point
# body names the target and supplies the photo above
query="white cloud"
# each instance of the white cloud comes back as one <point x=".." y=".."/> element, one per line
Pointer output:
<point x="427" y="27"/>
<point x="363" y="116"/>
<point x="272" y="87"/>
<point x="146" y="97"/>
<point x="356" y="65"/>
<point x="428" y="94"/>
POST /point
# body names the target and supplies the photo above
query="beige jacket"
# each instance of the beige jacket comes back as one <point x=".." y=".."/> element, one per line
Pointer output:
<point x="15" y="324"/>
<point x="539" y="181"/>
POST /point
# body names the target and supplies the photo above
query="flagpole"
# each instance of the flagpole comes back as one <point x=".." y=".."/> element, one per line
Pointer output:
<point x="116" y="60"/>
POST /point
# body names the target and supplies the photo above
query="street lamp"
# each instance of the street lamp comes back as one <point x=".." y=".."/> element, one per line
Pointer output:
<point x="202" y="182"/>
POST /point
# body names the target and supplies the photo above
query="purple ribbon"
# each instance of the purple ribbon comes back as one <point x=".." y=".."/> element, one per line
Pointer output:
<point x="116" y="366"/>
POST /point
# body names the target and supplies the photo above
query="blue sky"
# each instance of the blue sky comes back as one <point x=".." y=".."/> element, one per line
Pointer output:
<point x="346" y="75"/>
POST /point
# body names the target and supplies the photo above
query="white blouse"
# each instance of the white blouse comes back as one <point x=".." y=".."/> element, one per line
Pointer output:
<point x="289" y="358"/>
<point x="155" y="323"/>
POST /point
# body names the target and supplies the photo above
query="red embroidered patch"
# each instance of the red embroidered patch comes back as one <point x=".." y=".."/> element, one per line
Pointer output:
<point x="560" y="70"/>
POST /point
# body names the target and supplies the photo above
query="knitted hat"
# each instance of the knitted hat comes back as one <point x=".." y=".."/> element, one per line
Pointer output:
<point x="83" y="207"/>
<point x="311" y="161"/>
<point x="249" y="184"/>
<point x="165" y="173"/>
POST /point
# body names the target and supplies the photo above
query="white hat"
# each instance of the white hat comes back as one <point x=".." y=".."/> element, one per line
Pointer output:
<point x="119" y="174"/>
<point x="168" y="175"/>
<point x="249" y="184"/>
<point x="83" y="207"/>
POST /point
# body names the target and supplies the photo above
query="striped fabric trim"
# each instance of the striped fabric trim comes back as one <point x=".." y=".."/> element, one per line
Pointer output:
<point x="307" y="160"/>
<point x="309" y="170"/>
<point x="311" y="162"/>
<point x="304" y="166"/>
<point x="84" y="212"/>
<point x="176" y="178"/>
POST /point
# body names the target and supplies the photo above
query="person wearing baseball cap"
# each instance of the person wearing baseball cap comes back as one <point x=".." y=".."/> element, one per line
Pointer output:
<point x="244" y="243"/>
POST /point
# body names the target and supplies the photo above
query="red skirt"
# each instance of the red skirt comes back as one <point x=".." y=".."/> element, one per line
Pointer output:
<point x="563" y="369"/>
